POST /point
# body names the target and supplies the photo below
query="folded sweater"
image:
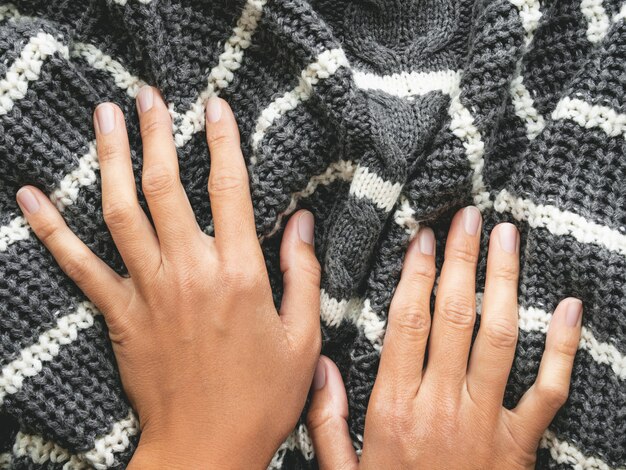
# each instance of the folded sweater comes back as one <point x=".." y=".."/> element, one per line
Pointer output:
<point x="379" y="116"/>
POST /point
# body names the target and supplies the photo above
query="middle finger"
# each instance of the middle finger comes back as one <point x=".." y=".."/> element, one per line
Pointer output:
<point x="171" y="212"/>
<point x="455" y="305"/>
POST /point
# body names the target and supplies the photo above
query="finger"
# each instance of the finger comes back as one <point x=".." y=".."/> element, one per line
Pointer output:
<point x="300" y="309"/>
<point x="131" y="230"/>
<point x="405" y="342"/>
<point x="539" y="405"/>
<point x="455" y="306"/>
<point x="99" y="282"/>
<point x="174" y="220"/>
<point x="327" y="419"/>
<point x="494" y="348"/>
<point x="229" y="189"/>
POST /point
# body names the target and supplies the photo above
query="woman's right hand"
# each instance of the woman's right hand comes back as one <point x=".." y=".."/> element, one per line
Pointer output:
<point x="448" y="413"/>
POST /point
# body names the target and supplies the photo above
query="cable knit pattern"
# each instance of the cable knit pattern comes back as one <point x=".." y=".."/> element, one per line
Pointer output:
<point x="380" y="116"/>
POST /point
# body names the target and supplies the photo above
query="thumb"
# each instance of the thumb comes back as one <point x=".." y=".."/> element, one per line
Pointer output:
<point x="300" y="309"/>
<point x="327" y="417"/>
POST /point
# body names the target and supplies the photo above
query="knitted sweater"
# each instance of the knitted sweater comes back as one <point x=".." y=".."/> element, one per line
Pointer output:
<point x="379" y="116"/>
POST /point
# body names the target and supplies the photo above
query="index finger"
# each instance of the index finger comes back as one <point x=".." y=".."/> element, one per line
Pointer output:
<point x="229" y="189"/>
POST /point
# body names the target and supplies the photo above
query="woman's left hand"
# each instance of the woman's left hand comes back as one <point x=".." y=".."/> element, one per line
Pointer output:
<point x="216" y="374"/>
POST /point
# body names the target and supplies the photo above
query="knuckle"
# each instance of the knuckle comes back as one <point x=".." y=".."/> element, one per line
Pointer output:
<point x="422" y="273"/>
<point x="508" y="273"/>
<point x="157" y="180"/>
<point x="118" y="214"/>
<point x="225" y="182"/>
<point x="552" y="394"/>
<point x="76" y="266"/>
<point x="107" y="152"/>
<point x="318" y="417"/>
<point x="312" y="268"/>
<point x="567" y="346"/>
<point x="410" y="318"/>
<point x="458" y="310"/>
<point x="463" y="251"/>
<point x="500" y="334"/>
<point x="156" y="125"/>
<point x="221" y="138"/>
<point x="47" y="230"/>
<point x="240" y="276"/>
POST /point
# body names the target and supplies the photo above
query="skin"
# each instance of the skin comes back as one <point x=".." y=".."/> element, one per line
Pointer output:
<point x="219" y="378"/>
<point x="448" y="413"/>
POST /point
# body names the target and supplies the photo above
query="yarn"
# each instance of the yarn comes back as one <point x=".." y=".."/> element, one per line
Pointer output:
<point x="378" y="116"/>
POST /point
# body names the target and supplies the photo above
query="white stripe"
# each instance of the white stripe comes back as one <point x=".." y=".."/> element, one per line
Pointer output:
<point x="222" y="74"/>
<point x="27" y="68"/>
<point x="598" y="22"/>
<point x="9" y="11"/>
<point x="298" y="439"/>
<point x="6" y="458"/>
<point x="405" y="217"/>
<point x="368" y="185"/>
<point x="17" y="229"/>
<point x="333" y="311"/>
<point x="530" y="14"/>
<point x="32" y="358"/>
<point x="325" y="66"/>
<point x="101" y="456"/>
<point x="591" y="116"/>
<point x="408" y="84"/>
<point x="560" y="222"/>
<point x="565" y="453"/>
<point x="124" y="2"/>
<point x="342" y="170"/>
<point x="462" y="126"/>
<point x="101" y="61"/>
<point x="535" y="319"/>
<point x="525" y="108"/>
<point x="621" y="14"/>
<point x="372" y="326"/>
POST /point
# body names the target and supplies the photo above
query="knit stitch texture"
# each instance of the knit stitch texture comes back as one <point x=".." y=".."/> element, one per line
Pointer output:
<point x="379" y="116"/>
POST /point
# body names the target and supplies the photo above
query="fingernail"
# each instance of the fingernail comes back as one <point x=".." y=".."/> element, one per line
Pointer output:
<point x="508" y="237"/>
<point x="427" y="241"/>
<point x="145" y="98"/>
<point x="306" y="223"/>
<point x="27" y="201"/>
<point x="574" y="312"/>
<point x="471" y="220"/>
<point x="105" y="114"/>
<point x="319" y="378"/>
<point x="214" y="109"/>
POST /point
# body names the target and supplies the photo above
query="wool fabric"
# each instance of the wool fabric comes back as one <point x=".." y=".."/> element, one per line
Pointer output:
<point x="379" y="116"/>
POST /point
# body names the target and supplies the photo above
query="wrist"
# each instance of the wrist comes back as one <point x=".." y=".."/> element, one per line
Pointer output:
<point x="187" y="449"/>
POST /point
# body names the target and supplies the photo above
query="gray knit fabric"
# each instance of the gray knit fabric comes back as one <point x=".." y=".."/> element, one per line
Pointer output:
<point x="379" y="116"/>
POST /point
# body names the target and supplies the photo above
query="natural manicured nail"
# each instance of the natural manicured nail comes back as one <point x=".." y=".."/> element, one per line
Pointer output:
<point x="306" y="223"/>
<point x="214" y="109"/>
<point x="508" y="237"/>
<point x="27" y="201"/>
<point x="105" y="114"/>
<point x="427" y="241"/>
<point x="319" y="378"/>
<point x="145" y="98"/>
<point x="574" y="312"/>
<point x="471" y="220"/>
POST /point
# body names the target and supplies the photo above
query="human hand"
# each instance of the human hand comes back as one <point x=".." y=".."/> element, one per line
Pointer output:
<point x="448" y="414"/>
<point x="216" y="375"/>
